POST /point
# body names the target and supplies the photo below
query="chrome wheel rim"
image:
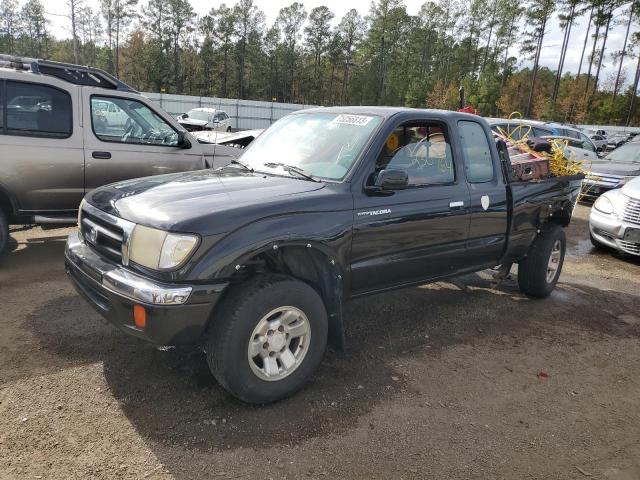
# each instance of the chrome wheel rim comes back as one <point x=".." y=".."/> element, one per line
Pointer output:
<point x="279" y="343"/>
<point x="554" y="261"/>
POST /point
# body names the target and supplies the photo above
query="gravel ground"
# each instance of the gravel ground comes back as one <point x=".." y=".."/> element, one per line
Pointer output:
<point x="442" y="381"/>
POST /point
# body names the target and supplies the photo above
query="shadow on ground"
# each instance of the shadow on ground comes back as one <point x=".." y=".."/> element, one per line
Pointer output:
<point x="173" y="401"/>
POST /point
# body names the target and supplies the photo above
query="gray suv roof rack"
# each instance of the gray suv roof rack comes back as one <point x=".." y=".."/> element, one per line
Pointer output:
<point x="76" y="74"/>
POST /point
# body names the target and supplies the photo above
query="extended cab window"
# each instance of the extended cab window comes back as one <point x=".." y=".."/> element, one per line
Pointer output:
<point x="125" y="120"/>
<point x="422" y="150"/>
<point x="36" y="110"/>
<point x="477" y="154"/>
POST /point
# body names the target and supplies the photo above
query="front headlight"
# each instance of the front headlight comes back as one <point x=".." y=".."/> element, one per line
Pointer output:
<point x="604" y="205"/>
<point x="158" y="249"/>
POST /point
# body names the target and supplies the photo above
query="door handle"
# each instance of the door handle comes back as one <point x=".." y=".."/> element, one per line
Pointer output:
<point x="101" y="155"/>
<point x="456" y="205"/>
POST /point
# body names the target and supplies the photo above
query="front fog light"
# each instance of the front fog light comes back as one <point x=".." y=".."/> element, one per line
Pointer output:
<point x="176" y="249"/>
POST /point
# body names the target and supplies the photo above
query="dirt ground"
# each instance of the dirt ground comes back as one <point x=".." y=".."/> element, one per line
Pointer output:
<point x="437" y="383"/>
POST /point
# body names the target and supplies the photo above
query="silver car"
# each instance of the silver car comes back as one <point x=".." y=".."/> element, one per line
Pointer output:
<point x="615" y="219"/>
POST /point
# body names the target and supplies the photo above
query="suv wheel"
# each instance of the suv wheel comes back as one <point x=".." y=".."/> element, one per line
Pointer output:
<point x="268" y="338"/>
<point x="4" y="232"/>
<point x="538" y="273"/>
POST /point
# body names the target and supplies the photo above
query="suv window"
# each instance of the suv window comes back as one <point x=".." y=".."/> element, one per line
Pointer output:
<point x="477" y="154"/>
<point x="571" y="133"/>
<point x="36" y="110"/>
<point x="587" y="144"/>
<point x="422" y="150"/>
<point x="540" y="132"/>
<point x="138" y="123"/>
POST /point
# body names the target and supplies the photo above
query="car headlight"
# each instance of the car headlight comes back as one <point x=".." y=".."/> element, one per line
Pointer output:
<point x="604" y="205"/>
<point x="160" y="250"/>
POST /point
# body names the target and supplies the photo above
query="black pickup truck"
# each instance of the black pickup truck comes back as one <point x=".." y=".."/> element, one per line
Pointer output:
<point x="254" y="261"/>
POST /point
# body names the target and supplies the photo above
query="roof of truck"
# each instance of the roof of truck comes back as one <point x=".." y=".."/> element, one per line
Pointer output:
<point x="387" y="112"/>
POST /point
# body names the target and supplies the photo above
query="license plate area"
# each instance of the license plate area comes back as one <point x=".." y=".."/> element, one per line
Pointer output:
<point x="632" y="235"/>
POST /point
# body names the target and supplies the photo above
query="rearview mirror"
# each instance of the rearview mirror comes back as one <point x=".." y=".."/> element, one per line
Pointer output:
<point x="183" y="141"/>
<point x="389" y="181"/>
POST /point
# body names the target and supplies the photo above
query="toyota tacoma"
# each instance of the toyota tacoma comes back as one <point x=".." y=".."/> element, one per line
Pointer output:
<point x="254" y="261"/>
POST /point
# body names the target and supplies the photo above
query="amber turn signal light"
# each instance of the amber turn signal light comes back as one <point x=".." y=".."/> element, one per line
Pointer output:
<point x="139" y="316"/>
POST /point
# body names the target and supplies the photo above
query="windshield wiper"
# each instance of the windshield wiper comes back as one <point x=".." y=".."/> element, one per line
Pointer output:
<point x="292" y="168"/>
<point x="235" y="161"/>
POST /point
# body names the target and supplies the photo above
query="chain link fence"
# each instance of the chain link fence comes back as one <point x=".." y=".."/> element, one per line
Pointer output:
<point x="245" y="114"/>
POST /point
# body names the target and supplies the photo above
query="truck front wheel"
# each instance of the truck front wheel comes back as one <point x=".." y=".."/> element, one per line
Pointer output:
<point x="267" y="338"/>
<point x="538" y="273"/>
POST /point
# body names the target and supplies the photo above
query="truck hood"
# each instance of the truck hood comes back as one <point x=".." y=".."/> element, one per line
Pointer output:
<point x="206" y="201"/>
<point x="615" y="168"/>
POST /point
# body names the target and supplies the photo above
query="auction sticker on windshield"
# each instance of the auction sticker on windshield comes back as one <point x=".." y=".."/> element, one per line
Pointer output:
<point x="360" y="120"/>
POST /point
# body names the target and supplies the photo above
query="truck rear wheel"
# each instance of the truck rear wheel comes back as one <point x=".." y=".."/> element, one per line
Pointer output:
<point x="268" y="338"/>
<point x="538" y="273"/>
<point x="4" y="232"/>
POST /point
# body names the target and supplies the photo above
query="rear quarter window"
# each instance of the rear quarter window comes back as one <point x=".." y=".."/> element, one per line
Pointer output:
<point x="36" y="110"/>
<point x="477" y="153"/>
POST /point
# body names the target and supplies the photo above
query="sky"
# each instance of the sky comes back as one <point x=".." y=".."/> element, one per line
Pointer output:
<point x="56" y="10"/>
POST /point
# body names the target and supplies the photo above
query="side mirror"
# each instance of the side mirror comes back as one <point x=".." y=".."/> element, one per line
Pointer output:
<point x="388" y="181"/>
<point x="185" y="115"/>
<point x="183" y="141"/>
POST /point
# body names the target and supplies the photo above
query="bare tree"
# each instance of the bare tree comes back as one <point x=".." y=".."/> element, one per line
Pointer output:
<point x="73" y="12"/>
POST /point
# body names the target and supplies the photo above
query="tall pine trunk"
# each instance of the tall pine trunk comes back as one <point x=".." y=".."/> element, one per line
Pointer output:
<point x="634" y="92"/>
<point x="604" y="45"/>
<point x="563" y="53"/>
<point x="622" y="55"/>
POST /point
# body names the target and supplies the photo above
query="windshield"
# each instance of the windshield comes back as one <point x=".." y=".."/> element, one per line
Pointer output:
<point x="198" y="115"/>
<point x="629" y="153"/>
<point x="324" y="145"/>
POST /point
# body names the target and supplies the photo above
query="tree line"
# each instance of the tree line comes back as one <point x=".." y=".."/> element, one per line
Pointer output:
<point x="383" y="56"/>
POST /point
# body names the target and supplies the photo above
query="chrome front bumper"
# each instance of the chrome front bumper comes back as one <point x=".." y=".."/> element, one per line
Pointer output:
<point x="120" y="281"/>
<point x="609" y="230"/>
<point x="175" y="314"/>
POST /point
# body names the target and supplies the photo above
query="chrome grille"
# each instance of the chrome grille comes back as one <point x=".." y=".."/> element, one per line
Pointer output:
<point x="107" y="234"/>
<point x="630" y="247"/>
<point x="631" y="211"/>
<point x="602" y="179"/>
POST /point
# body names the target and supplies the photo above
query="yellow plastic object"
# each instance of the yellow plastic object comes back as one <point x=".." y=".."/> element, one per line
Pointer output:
<point x="559" y="164"/>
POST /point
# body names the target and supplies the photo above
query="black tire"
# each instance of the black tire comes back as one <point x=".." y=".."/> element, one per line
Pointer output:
<point x="234" y="322"/>
<point x="533" y="269"/>
<point x="596" y="244"/>
<point x="4" y="232"/>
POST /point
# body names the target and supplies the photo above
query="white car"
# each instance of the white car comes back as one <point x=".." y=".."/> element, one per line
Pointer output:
<point x="599" y="141"/>
<point x="112" y="114"/>
<point x="614" y="221"/>
<point x="240" y="139"/>
<point x="198" y="119"/>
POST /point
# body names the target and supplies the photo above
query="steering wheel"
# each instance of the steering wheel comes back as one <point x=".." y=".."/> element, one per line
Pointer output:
<point x="128" y="130"/>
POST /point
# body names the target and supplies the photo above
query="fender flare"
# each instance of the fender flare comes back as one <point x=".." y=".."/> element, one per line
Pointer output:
<point x="331" y="277"/>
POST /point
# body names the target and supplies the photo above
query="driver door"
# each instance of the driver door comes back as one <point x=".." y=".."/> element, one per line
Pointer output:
<point x="138" y="141"/>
